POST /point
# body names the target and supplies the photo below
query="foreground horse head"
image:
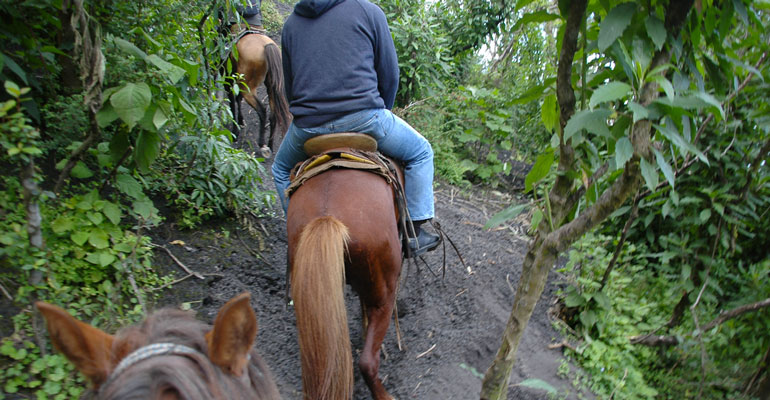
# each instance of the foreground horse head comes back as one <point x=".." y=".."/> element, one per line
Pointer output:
<point x="258" y="59"/>
<point x="342" y="227"/>
<point x="170" y="355"/>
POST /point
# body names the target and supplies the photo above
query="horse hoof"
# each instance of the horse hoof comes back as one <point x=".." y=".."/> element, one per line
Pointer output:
<point x="266" y="152"/>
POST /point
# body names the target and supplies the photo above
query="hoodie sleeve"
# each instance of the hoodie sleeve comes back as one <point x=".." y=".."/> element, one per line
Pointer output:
<point x="286" y="64"/>
<point x="385" y="59"/>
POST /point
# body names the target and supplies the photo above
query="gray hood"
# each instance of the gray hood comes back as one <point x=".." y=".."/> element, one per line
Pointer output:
<point x="314" y="8"/>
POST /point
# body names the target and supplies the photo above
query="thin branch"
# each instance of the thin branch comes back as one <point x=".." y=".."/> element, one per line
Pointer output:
<point x="722" y="318"/>
<point x="623" y="236"/>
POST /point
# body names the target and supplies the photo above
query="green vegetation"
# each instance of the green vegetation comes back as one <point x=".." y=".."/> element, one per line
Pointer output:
<point x="646" y="125"/>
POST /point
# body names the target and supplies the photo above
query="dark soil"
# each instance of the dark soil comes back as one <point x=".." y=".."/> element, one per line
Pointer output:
<point x="451" y="321"/>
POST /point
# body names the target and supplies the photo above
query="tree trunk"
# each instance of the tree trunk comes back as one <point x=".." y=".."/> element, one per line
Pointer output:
<point x="548" y="244"/>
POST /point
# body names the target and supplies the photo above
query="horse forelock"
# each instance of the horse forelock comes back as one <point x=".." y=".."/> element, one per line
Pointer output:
<point x="187" y="376"/>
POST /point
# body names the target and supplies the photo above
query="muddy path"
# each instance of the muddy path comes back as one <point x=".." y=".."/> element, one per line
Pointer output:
<point x="450" y="321"/>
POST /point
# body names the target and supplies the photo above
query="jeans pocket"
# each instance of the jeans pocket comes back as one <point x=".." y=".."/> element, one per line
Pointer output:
<point x="358" y="122"/>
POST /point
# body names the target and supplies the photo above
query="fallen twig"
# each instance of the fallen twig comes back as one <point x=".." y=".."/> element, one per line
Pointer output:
<point x="179" y="263"/>
<point x="426" y="351"/>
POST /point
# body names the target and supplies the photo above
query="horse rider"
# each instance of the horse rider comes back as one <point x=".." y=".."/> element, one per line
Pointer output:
<point x="341" y="72"/>
<point x="250" y="12"/>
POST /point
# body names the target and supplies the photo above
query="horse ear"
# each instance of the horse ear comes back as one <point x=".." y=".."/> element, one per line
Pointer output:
<point x="232" y="338"/>
<point x="88" y="348"/>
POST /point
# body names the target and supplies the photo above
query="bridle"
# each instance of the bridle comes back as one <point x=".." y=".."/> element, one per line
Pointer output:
<point x="149" y="351"/>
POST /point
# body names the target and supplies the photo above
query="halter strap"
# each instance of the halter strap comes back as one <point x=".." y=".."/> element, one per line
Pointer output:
<point x="151" y="350"/>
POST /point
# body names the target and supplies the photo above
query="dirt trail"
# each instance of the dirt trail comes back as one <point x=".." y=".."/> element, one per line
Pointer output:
<point x="450" y="326"/>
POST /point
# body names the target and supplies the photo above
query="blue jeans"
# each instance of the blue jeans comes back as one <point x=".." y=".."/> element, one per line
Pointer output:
<point x="395" y="139"/>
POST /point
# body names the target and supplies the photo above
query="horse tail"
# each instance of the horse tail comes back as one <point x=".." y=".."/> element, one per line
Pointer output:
<point x="317" y="283"/>
<point x="274" y="84"/>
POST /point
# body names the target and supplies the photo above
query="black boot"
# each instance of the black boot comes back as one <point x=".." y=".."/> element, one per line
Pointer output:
<point x="424" y="242"/>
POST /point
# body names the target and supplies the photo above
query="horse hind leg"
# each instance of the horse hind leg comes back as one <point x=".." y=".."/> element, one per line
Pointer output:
<point x="262" y="142"/>
<point x="378" y="319"/>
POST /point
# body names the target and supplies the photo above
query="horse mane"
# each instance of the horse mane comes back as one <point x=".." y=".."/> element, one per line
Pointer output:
<point x="193" y="377"/>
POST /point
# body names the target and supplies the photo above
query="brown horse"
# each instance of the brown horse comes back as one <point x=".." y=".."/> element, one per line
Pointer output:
<point x="258" y="59"/>
<point x="342" y="226"/>
<point x="171" y="355"/>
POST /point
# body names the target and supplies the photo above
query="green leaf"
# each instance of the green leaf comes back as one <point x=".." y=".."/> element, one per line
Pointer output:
<point x="80" y="171"/>
<point x="99" y="239"/>
<point x="106" y="116"/>
<point x="79" y="237"/>
<point x="62" y="224"/>
<point x="15" y="68"/>
<point x="656" y="30"/>
<point x="665" y="84"/>
<point x="147" y="150"/>
<point x="145" y="208"/>
<point x="705" y="215"/>
<point x="96" y="218"/>
<point x="160" y="118"/>
<point x="609" y="92"/>
<point x="593" y="121"/>
<point x="12" y="88"/>
<point x="130" y="48"/>
<point x="506" y="215"/>
<point x="534" y="17"/>
<point x="650" y="175"/>
<point x="534" y="92"/>
<point x="693" y="102"/>
<point x="173" y="72"/>
<point x="119" y="145"/>
<point x="538" y="384"/>
<point x="549" y="112"/>
<point x="101" y="258"/>
<point x="672" y="135"/>
<point x="613" y="25"/>
<point x="131" y="101"/>
<point x="665" y="167"/>
<point x="640" y="111"/>
<point x="112" y="212"/>
<point x="537" y="217"/>
<point x="539" y="171"/>
<point x="128" y="185"/>
<point x="624" y="150"/>
<point x="574" y="299"/>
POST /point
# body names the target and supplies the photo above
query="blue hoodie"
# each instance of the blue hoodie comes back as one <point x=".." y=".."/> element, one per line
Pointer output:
<point x="338" y="58"/>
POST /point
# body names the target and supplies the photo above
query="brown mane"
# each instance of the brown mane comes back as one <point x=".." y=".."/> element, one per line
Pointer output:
<point x="182" y="376"/>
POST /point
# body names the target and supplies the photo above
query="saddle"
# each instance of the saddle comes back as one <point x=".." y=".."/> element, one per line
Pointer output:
<point x="353" y="151"/>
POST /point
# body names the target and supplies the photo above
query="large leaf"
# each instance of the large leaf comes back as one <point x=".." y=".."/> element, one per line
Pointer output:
<point x="173" y="72"/>
<point x="128" y="185"/>
<point x="536" y="17"/>
<point x="112" y="212"/>
<point x="693" y="102"/>
<point x="549" y="112"/>
<point x="506" y="215"/>
<point x="130" y="48"/>
<point x="609" y="92"/>
<point x="147" y="149"/>
<point x="671" y="134"/>
<point x="650" y="175"/>
<point x="640" y="111"/>
<point x="539" y="170"/>
<point x="624" y="150"/>
<point x="656" y="30"/>
<point x="131" y="101"/>
<point x="615" y="23"/>
<point x="665" y="167"/>
<point x="594" y="121"/>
